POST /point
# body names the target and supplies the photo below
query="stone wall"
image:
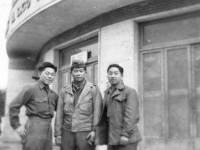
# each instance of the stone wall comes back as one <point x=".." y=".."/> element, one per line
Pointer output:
<point x="17" y="79"/>
<point x="117" y="46"/>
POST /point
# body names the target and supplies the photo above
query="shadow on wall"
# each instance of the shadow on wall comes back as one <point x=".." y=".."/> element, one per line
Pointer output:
<point x="2" y="105"/>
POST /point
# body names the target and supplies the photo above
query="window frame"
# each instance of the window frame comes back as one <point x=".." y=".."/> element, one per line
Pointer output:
<point x="74" y="46"/>
<point x="143" y="47"/>
<point x="91" y="61"/>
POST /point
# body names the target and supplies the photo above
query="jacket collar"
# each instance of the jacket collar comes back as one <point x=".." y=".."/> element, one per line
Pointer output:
<point x="117" y="90"/>
<point x="41" y="85"/>
<point x="69" y="88"/>
<point x="120" y="86"/>
<point x="86" y="89"/>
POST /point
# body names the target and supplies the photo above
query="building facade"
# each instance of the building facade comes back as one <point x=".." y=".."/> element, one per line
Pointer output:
<point x="157" y="43"/>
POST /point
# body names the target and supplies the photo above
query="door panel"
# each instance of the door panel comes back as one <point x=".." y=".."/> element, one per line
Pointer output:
<point x="64" y="78"/>
<point x="177" y="61"/>
<point x="152" y="101"/>
<point x="152" y="94"/>
<point x="89" y="73"/>
<point x="177" y="79"/>
<point x="196" y="84"/>
<point x="95" y="74"/>
<point x="170" y="101"/>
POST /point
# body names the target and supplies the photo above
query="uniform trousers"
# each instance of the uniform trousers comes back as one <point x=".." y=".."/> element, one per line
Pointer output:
<point x="39" y="134"/>
<point x="75" y="141"/>
<point x="132" y="146"/>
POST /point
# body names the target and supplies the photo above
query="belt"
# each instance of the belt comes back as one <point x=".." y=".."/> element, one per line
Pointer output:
<point x="40" y="118"/>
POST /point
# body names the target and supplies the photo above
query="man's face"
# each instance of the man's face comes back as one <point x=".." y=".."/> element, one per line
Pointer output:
<point x="78" y="74"/>
<point x="114" y="76"/>
<point x="47" y="76"/>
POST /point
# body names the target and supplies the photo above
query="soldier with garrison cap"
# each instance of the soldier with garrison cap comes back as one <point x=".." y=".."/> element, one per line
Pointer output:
<point x="40" y="103"/>
<point x="78" y="112"/>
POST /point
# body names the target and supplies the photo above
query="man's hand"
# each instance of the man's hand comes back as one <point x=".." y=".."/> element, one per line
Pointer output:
<point x="124" y="140"/>
<point x="91" y="137"/>
<point x="58" y="140"/>
<point x="21" y="131"/>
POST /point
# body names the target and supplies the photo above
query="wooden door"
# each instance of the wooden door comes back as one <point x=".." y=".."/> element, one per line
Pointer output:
<point x="196" y="94"/>
<point x="92" y="72"/>
<point x="64" y="78"/>
<point x="179" y="134"/>
<point x="152" y="100"/>
<point x="170" y="98"/>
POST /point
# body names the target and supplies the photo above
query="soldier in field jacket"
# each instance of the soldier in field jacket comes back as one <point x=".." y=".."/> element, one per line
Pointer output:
<point x="79" y="110"/>
<point x="118" y="125"/>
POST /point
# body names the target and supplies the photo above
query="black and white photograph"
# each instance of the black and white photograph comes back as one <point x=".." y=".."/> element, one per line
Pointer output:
<point x="100" y="75"/>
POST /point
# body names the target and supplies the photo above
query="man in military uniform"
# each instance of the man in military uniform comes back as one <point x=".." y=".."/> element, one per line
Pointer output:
<point x="118" y="125"/>
<point x="78" y="112"/>
<point x="40" y="103"/>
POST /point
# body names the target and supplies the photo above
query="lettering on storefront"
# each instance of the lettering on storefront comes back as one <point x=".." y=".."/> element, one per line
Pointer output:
<point x="25" y="5"/>
<point x="20" y="10"/>
<point x="13" y="17"/>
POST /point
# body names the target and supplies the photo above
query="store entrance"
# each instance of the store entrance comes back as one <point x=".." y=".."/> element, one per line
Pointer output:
<point x="170" y="98"/>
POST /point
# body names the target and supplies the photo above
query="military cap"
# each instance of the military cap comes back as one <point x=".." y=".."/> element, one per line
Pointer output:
<point x="47" y="64"/>
<point x="78" y="64"/>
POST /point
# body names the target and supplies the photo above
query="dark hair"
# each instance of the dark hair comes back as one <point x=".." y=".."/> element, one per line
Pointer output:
<point x="45" y="65"/>
<point x="116" y="66"/>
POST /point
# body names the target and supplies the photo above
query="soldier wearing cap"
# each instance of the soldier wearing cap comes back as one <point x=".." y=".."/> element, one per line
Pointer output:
<point x="40" y="103"/>
<point x="79" y="108"/>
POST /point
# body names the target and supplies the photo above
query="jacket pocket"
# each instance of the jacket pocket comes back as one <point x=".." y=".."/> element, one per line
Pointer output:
<point x="38" y="100"/>
<point x="117" y="111"/>
<point x="120" y="97"/>
<point x="117" y="120"/>
<point x="41" y="105"/>
<point x="115" y="134"/>
<point x="68" y="107"/>
<point x="86" y="107"/>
